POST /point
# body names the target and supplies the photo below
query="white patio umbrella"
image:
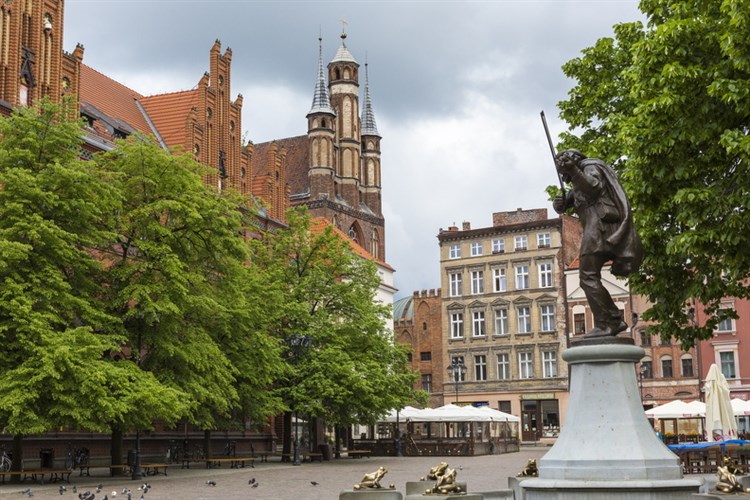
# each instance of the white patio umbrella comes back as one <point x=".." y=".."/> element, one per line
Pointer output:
<point x="675" y="409"/>
<point x="740" y="407"/>
<point x="719" y="414"/>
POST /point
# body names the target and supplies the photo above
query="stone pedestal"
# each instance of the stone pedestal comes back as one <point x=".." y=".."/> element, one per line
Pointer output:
<point x="374" y="494"/>
<point x="607" y="448"/>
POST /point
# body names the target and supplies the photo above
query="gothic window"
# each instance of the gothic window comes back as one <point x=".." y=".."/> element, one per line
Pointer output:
<point x="375" y="244"/>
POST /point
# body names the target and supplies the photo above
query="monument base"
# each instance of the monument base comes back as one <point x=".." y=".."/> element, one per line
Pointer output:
<point x="557" y="489"/>
<point x="607" y="447"/>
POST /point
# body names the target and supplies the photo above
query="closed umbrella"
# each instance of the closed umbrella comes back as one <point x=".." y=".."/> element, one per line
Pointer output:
<point x="719" y="414"/>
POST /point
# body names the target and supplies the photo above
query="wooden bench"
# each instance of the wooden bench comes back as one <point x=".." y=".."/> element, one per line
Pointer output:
<point x="38" y="474"/>
<point x="153" y="469"/>
<point x="359" y="453"/>
<point x="234" y="462"/>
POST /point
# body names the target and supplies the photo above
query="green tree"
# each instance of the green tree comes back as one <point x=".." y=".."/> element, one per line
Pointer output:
<point x="668" y="103"/>
<point x="56" y="367"/>
<point x="176" y="277"/>
<point x="352" y="371"/>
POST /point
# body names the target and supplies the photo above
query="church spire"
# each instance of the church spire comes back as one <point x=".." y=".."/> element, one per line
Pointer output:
<point x="369" y="127"/>
<point x="321" y="101"/>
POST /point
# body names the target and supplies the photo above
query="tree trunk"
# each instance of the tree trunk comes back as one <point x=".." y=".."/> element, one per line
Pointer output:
<point x="286" y="439"/>
<point x="115" y="450"/>
<point x="207" y="443"/>
<point x="17" y="451"/>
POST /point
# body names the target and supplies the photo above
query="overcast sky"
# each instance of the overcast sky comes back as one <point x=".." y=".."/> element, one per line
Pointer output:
<point x="456" y="86"/>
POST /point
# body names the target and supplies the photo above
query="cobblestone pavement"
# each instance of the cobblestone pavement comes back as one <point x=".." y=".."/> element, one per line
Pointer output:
<point x="283" y="481"/>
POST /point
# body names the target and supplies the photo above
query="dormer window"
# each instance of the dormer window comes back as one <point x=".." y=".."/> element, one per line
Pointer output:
<point x="88" y="119"/>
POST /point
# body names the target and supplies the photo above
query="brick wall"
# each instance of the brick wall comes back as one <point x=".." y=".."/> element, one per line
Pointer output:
<point x="519" y="216"/>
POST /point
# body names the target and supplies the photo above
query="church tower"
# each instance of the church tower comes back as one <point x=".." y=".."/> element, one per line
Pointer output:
<point x="343" y="78"/>
<point x="370" y="172"/>
<point x="31" y="33"/>
<point x="321" y="122"/>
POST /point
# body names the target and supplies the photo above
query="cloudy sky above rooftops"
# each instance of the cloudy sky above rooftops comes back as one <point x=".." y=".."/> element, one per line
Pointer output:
<point x="456" y="86"/>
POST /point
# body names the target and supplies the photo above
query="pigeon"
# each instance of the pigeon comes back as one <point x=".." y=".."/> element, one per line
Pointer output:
<point x="126" y="491"/>
<point x="251" y="481"/>
<point x="105" y="497"/>
<point x="314" y="483"/>
<point x="62" y="489"/>
<point x="211" y="482"/>
<point x="75" y="489"/>
<point x="255" y="485"/>
<point x="99" y="487"/>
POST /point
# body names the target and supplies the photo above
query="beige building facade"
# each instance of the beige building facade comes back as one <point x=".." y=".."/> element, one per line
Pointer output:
<point x="503" y="316"/>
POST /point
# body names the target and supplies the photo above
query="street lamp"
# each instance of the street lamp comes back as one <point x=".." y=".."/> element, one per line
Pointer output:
<point x="297" y="343"/>
<point x="136" y="472"/>
<point x="457" y="370"/>
<point x="642" y="373"/>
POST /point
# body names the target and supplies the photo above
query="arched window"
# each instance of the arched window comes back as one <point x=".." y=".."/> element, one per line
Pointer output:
<point x="375" y="244"/>
<point x="666" y="367"/>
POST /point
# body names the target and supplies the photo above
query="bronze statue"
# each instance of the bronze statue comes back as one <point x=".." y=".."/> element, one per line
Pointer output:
<point x="446" y="484"/>
<point x="530" y="470"/>
<point x="372" y="480"/>
<point x="727" y="475"/>
<point x="436" y="471"/>
<point x="608" y="234"/>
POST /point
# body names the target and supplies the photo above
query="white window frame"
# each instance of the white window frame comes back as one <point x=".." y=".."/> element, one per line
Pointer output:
<point x="547" y="318"/>
<point x="549" y="364"/>
<point x="498" y="245"/>
<point x="478" y="326"/>
<point x="520" y="242"/>
<point x="525" y="365"/>
<point x="501" y="321"/>
<point x="543" y="240"/>
<point x="480" y="367"/>
<point x="503" y="366"/>
<point x="545" y="275"/>
<point x="727" y="375"/>
<point x="455" y="281"/>
<point x="457" y="325"/>
<point x="477" y="282"/>
<point x="523" y="314"/>
<point x="477" y="248"/>
<point x="454" y="251"/>
<point x="499" y="279"/>
<point x="522" y="277"/>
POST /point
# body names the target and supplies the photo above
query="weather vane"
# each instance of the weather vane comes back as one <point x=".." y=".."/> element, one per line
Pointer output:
<point x="343" y="27"/>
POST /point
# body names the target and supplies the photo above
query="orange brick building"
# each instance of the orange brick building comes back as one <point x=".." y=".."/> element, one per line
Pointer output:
<point x="334" y="169"/>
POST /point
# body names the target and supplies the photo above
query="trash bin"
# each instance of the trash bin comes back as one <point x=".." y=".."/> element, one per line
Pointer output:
<point x="131" y="458"/>
<point x="46" y="458"/>
<point x="325" y="451"/>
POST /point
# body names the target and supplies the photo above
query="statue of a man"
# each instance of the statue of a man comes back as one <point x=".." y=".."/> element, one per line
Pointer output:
<point x="608" y="233"/>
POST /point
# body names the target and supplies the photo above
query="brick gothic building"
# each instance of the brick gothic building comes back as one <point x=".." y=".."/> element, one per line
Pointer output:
<point x="417" y="323"/>
<point x="334" y="169"/>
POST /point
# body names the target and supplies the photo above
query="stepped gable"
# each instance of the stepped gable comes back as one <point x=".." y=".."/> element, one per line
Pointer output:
<point x="297" y="162"/>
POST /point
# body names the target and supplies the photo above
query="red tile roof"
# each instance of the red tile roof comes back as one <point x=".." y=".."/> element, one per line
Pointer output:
<point x="318" y="225"/>
<point x="112" y="98"/>
<point x="170" y="113"/>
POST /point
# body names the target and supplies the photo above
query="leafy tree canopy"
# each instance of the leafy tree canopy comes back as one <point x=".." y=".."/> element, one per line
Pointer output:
<point x="667" y="102"/>
<point x="351" y="371"/>
<point x="56" y="211"/>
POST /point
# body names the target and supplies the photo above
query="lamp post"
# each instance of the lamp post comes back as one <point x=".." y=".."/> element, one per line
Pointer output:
<point x="398" y="435"/>
<point x="457" y="370"/>
<point x="642" y="373"/>
<point x="297" y="343"/>
<point x="136" y="474"/>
